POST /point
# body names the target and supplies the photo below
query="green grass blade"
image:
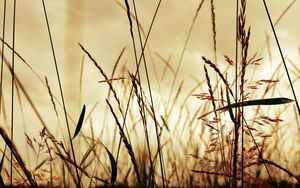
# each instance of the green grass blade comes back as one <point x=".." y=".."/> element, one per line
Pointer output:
<point x="270" y="101"/>
<point x="80" y="122"/>
<point x="114" y="170"/>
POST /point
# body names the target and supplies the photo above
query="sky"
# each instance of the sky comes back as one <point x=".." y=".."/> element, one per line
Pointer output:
<point x="102" y="27"/>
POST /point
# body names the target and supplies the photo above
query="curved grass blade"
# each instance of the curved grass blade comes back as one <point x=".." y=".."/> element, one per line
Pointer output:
<point x="80" y="122"/>
<point x="114" y="170"/>
<point x="271" y="101"/>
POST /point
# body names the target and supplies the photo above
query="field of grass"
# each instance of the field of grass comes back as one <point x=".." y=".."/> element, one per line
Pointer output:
<point x="190" y="116"/>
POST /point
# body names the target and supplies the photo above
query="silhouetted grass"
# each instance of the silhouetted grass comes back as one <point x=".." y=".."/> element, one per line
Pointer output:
<point x="207" y="135"/>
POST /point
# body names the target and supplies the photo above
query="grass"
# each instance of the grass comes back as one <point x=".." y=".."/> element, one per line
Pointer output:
<point x="149" y="133"/>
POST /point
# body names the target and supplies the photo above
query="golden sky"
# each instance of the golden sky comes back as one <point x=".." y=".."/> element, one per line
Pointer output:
<point x="102" y="27"/>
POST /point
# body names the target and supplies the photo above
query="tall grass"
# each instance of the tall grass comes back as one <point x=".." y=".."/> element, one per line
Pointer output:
<point x="222" y="130"/>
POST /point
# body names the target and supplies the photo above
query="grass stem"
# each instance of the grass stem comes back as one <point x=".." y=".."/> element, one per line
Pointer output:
<point x="282" y="58"/>
<point x="78" y="183"/>
<point x="12" y="92"/>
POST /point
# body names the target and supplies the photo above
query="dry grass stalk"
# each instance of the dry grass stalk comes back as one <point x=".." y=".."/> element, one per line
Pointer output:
<point x="51" y="96"/>
<point x="20" y="85"/>
<point x="69" y="160"/>
<point x="112" y="79"/>
<point x="3" y="110"/>
<point x="245" y="45"/>
<point x="183" y="51"/>
<point x="217" y="70"/>
<point x="22" y="88"/>
<point x="167" y="65"/>
<point x="112" y="89"/>
<point x="34" y="72"/>
<point x="264" y="161"/>
<point x="198" y="10"/>
<point x="117" y="62"/>
<point x="18" y="157"/>
<point x="148" y="81"/>
<point x="179" y="90"/>
<point x="135" y="84"/>
<point x="133" y="16"/>
<point x="213" y="19"/>
<point x="51" y="159"/>
<point x="244" y="40"/>
<point x="139" y="96"/>
<point x="211" y="94"/>
<point x="106" y="78"/>
<point x="189" y="119"/>
<point x="126" y="143"/>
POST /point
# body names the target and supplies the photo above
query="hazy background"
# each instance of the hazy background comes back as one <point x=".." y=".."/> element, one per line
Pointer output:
<point x="102" y="27"/>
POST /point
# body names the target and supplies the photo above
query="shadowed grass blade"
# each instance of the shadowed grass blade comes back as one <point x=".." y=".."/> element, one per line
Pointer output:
<point x="127" y="175"/>
<point x="271" y="101"/>
<point x="114" y="170"/>
<point x="1" y="181"/>
<point x="80" y="122"/>
<point x="229" y="106"/>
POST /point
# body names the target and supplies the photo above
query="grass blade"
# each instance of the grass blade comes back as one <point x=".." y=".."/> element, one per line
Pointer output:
<point x="270" y="101"/>
<point x="114" y="170"/>
<point x="87" y="153"/>
<point x="102" y="180"/>
<point x="229" y="106"/>
<point x="282" y="58"/>
<point x="1" y="181"/>
<point x="1" y="166"/>
<point x="40" y="165"/>
<point x="18" y="157"/>
<point x="80" y="122"/>
<point x="2" y="160"/>
<point x="126" y="143"/>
